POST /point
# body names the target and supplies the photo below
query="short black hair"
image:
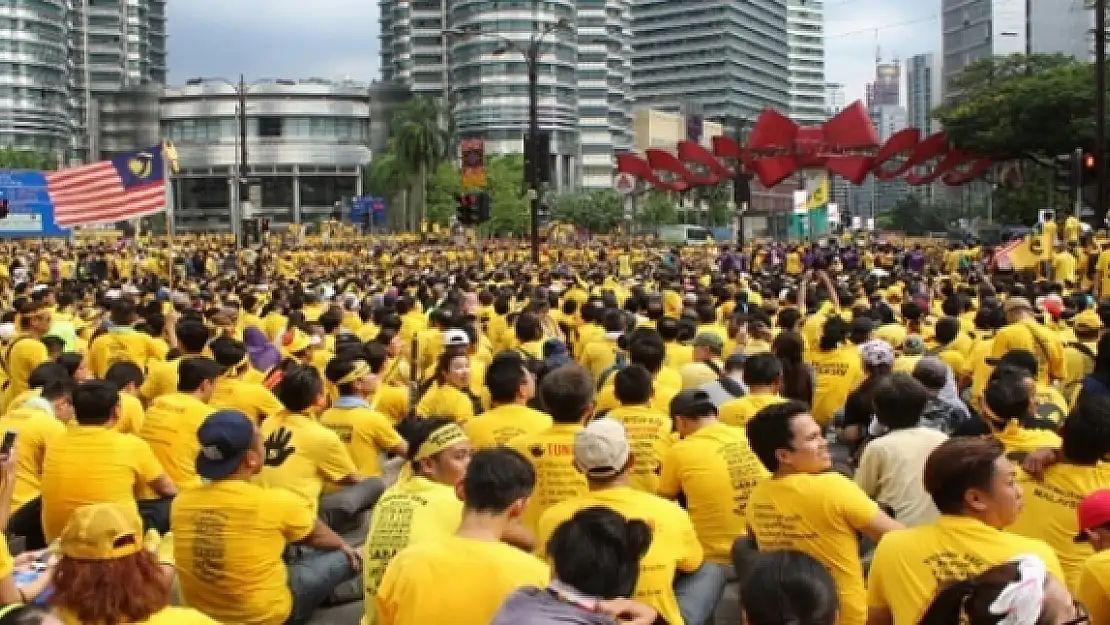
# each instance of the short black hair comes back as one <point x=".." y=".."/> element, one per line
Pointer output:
<point x="645" y="347"/>
<point x="597" y="551"/>
<point x="1021" y="358"/>
<point x="299" y="388"/>
<point x="762" y="369"/>
<point x="958" y="465"/>
<point x="228" y="351"/>
<point x="192" y="335"/>
<point x="46" y="373"/>
<point x="770" y="430"/>
<point x="566" y="393"/>
<point x="786" y="586"/>
<point x="947" y="329"/>
<point x="495" y="478"/>
<point x="899" y="401"/>
<point x="504" y="375"/>
<point x="94" y="402"/>
<point x="124" y="372"/>
<point x="193" y="372"/>
<point x="1086" y="431"/>
<point x="1006" y="395"/>
<point x="632" y="385"/>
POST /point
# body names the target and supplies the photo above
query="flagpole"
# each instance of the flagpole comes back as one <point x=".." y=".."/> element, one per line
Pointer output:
<point x="171" y="219"/>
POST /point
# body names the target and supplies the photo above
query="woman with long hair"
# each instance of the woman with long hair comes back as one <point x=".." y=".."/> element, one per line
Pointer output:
<point x="797" y="376"/>
<point x="448" y="393"/>
<point x="878" y="363"/>
<point x="105" y="576"/>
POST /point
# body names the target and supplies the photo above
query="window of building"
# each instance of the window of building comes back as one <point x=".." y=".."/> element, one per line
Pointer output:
<point x="269" y="126"/>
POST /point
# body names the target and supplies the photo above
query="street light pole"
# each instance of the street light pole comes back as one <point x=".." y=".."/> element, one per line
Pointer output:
<point x="237" y="214"/>
<point x="534" y="142"/>
<point x="1100" y="109"/>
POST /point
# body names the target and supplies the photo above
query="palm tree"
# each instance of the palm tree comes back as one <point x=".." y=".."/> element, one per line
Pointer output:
<point x="421" y="143"/>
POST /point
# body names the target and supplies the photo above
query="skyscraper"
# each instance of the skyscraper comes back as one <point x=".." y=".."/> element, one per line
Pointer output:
<point x="731" y="58"/>
<point x="471" y="55"/>
<point x="887" y="88"/>
<point x="50" y="78"/>
<point x="978" y="29"/>
<point x="923" y="92"/>
<point x="805" y="28"/>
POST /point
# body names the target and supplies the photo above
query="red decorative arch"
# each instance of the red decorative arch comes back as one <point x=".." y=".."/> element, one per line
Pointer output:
<point x="777" y="147"/>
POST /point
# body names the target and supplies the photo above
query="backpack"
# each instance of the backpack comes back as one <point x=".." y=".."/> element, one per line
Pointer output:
<point x="731" y="386"/>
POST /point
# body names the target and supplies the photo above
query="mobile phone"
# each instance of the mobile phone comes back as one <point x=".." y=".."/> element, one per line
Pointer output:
<point x="8" y="442"/>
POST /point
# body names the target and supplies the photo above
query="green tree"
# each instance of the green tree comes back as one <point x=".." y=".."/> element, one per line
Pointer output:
<point x="445" y="184"/>
<point x="421" y="144"/>
<point x="384" y="177"/>
<point x="911" y="215"/>
<point x="599" y="211"/>
<point x="1029" y="107"/>
<point x="509" y="209"/>
<point x="11" y="158"/>
<point x="654" y="209"/>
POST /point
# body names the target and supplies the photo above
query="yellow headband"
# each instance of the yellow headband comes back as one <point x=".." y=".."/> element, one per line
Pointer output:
<point x="444" y="437"/>
<point x="8" y="609"/>
<point x="361" y="370"/>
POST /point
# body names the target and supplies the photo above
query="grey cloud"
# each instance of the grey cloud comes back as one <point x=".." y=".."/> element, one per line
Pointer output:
<point x="273" y="39"/>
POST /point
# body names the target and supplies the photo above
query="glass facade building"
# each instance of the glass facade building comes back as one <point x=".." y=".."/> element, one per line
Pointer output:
<point x="806" y="35"/>
<point x="307" y="142"/>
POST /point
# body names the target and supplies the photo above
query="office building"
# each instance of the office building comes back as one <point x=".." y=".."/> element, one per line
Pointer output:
<point x="730" y="58"/>
<point x="923" y="92"/>
<point x="471" y="55"/>
<point x="307" y="142"/>
<point x="805" y="28"/>
<point x="835" y="98"/>
<point x="1063" y="26"/>
<point x="60" y="56"/>
<point x="886" y="90"/>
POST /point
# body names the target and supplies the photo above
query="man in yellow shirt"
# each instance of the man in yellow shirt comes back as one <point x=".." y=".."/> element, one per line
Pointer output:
<point x="368" y="434"/>
<point x="192" y="337"/>
<point x="976" y="491"/>
<point x="249" y="528"/>
<point x="763" y="377"/>
<point x="121" y="341"/>
<point x="483" y="570"/>
<point x="1024" y="332"/>
<point x="603" y="453"/>
<point x="1051" y="501"/>
<point x="713" y="467"/>
<point x="1093" y="586"/>
<point x="511" y="386"/>
<point x="234" y="391"/>
<point x="568" y="395"/>
<point x="128" y="378"/>
<point x="25" y="351"/>
<point x="648" y="429"/>
<point x="93" y="463"/>
<point x="170" y="427"/>
<point x="304" y="457"/>
<point x="808" y="508"/>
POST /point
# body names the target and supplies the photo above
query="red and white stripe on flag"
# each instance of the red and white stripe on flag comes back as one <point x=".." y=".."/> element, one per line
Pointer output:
<point x="1001" y="257"/>
<point x="95" y="194"/>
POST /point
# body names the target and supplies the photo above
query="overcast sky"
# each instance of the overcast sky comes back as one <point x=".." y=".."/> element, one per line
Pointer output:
<point x="339" y="38"/>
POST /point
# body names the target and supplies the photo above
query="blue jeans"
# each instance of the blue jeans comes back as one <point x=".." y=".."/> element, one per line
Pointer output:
<point x="312" y="577"/>
<point x="699" y="592"/>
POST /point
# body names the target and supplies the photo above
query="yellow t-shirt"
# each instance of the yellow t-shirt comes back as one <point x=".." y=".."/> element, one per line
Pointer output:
<point x="910" y="565"/>
<point x="666" y="384"/>
<point x="318" y="457"/>
<point x="170" y="428"/>
<point x="444" y="400"/>
<point x="131" y="414"/>
<point x="674" y="544"/>
<point x="229" y="537"/>
<point x="93" y="464"/>
<point x="168" y="615"/>
<point x="391" y="401"/>
<point x="366" y="433"/>
<point x="819" y="515"/>
<point x="252" y="399"/>
<point x="837" y="372"/>
<point x="20" y="358"/>
<point x="649" y="435"/>
<point x="1017" y="439"/>
<point x="124" y="345"/>
<point x="737" y="412"/>
<point x="36" y="430"/>
<point x="503" y="423"/>
<point x="1049" y="512"/>
<point x="551" y="453"/>
<point x="411" y="512"/>
<point x="716" y="470"/>
<point x="1042" y="342"/>
<point x="481" y="573"/>
<point x="1093" y="588"/>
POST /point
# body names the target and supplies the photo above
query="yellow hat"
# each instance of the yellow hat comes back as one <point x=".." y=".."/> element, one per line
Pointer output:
<point x="1087" y="320"/>
<point x="294" y="341"/>
<point x="103" y="531"/>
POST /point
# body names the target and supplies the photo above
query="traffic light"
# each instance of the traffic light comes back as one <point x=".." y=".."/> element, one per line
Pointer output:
<point x="1088" y="172"/>
<point x="543" y="152"/>
<point x="1065" y="173"/>
<point x="483" y="207"/>
<point x="469" y="209"/>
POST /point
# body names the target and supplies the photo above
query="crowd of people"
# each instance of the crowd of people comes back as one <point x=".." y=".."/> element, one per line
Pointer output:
<point x="847" y="432"/>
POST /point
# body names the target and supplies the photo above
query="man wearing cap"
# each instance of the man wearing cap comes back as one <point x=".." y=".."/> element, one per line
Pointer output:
<point x="705" y="365"/>
<point x="1080" y="354"/>
<point x="715" y="470"/>
<point x="1050" y="502"/>
<point x="603" y="454"/>
<point x="170" y="427"/>
<point x="1024" y="332"/>
<point x="230" y="535"/>
<point x="1093" y="586"/>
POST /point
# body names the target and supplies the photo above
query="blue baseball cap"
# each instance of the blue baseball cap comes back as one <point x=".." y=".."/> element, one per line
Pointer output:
<point x="225" y="436"/>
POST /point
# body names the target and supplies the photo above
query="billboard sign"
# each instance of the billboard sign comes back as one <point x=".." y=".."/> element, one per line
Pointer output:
<point x="30" y="211"/>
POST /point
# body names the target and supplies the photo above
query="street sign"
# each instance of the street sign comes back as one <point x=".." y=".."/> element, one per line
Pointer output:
<point x="626" y="184"/>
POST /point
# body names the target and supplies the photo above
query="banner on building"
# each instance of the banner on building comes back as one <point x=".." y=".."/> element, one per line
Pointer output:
<point x="473" y="164"/>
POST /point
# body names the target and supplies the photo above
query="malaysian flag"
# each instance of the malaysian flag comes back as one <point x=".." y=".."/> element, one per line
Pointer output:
<point x="128" y="186"/>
